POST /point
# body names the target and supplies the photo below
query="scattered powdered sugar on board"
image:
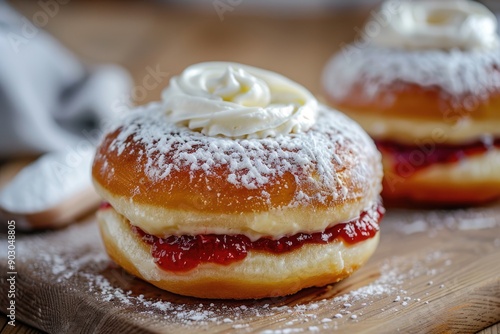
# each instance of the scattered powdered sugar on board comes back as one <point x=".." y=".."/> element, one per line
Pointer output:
<point x="458" y="73"/>
<point x="334" y="144"/>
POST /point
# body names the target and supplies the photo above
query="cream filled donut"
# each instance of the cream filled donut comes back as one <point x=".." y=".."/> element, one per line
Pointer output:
<point x="426" y="86"/>
<point x="238" y="185"/>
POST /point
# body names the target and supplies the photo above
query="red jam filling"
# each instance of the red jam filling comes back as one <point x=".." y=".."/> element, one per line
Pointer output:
<point x="409" y="159"/>
<point x="185" y="252"/>
<point x="104" y="205"/>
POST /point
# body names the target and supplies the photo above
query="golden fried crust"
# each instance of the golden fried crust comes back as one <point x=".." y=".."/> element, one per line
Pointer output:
<point x="473" y="180"/>
<point x="213" y="193"/>
<point x="425" y="85"/>
<point x="419" y="103"/>
<point x="192" y="190"/>
<point x="417" y="132"/>
<point x="424" y="98"/>
<point x="335" y="185"/>
<point x="259" y="275"/>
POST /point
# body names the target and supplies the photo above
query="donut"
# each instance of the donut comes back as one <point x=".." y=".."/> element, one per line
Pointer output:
<point x="426" y="88"/>
<point x="238" y="185"/>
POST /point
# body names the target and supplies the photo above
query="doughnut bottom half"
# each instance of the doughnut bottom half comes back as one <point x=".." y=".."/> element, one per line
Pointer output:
<point x="259" y="275"/>
<point x="473" y="180"/>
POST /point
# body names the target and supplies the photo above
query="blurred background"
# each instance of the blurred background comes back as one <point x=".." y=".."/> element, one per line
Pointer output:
<point x="67" y="66"/>
<point x="291" y="37"/>
<point x="53" y="89"/>
<point x="54" y="85"/>
<point x="294" y="38"/>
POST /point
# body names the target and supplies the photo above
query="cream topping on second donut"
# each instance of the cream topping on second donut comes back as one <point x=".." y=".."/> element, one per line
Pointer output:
<point x="433" y="24"/>
<point x="457" y="73"/>
<point x="238" y="101"/>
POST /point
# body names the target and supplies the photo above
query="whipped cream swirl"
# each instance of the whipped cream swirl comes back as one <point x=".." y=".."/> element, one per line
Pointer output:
<point x="238" y="101"/>
<point x="436" y="24"/>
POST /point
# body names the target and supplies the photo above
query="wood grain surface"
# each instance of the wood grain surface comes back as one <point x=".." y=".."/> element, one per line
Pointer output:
<point x="20" y="328"/>
<point x="446" y="263"/>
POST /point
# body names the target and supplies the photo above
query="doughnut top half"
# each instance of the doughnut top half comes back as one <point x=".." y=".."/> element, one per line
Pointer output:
<point x="146" y="159"/>
<point x="424" y="84"/>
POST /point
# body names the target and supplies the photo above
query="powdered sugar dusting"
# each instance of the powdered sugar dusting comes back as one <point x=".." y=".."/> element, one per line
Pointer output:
<point x="335" y="143"/>
<point x="459" y="73"/>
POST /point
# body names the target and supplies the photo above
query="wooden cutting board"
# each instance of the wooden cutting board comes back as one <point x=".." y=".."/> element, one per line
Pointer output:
<point x="66" y="283"/>
<point x="434" y="271"/>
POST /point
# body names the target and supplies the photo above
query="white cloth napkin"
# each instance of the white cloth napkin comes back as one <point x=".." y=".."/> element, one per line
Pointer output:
<point x="48" y="98"/>
<point x="50" y="104"/>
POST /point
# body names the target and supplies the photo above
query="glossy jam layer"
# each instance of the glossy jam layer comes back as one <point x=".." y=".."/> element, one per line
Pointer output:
<point x="185" y="252"/>
<point x="104" y="205"/>
<point x="409" y="159"/>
